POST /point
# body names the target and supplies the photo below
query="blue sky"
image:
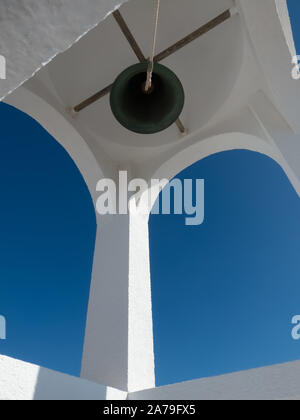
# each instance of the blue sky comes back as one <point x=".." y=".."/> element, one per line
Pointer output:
<point x="224" y="292"/>
<point x="47" y="225"/>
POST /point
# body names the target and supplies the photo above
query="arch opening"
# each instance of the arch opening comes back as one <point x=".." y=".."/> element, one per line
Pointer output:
<point x="224" y="292"/>
<point x="48" y="229"/>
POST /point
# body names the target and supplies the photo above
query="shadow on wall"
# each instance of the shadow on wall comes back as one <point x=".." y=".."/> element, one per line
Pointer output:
<point x="23" y="381"/>
<point x="51" y="385"/>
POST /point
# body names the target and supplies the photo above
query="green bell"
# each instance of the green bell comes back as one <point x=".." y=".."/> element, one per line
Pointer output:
<point x="147" y="112"/>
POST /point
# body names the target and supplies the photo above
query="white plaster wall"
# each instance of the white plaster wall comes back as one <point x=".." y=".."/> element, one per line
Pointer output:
<point x="276" y="382"/>
<point x="140" y="329"/>
<point x="24" y="381"/>
<point x="33" y="32"/>
<point x="118" y="348"/>
<point x="105" y="355"/>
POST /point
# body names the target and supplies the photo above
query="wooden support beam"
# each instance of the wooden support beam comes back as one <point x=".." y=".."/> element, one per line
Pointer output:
<point x="181" y="127"/>
<point x="92" y="99"/>
<point x="128" y="35"/>
<point x="193" y="36"/>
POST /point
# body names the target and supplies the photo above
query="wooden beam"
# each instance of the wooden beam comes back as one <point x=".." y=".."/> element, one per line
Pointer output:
<point x="193" y="36"/>
<point x="181" y="127"/>
<point x="128" y="35"/>
<point x="93" y="99"/>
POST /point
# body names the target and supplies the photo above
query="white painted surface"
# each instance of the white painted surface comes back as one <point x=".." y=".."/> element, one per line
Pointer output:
<point x="284" y="16"/>
<point x="119" y="339"/>
<point x="270" y="44"/>
<point x="140" y="332"/>
<point x="24" y="381"/>
<point x="33" y="32"/>
<point x="279" y="382"/>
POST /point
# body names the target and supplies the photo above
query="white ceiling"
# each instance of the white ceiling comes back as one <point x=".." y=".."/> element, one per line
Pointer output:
<point x="208" y="68"/>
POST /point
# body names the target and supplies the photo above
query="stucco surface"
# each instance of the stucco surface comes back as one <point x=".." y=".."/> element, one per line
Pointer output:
<point x="278" y="382"/>
<point x="33" y="32"/>
<point x="24" y="381"/>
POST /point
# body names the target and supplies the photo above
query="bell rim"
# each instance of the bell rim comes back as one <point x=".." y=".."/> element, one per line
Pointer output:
<point x="169" y="119"/>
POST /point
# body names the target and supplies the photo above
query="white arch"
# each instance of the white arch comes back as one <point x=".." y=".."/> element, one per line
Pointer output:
<point x="273" y="46"/>
<point x="210" y="146"/>
<point x="62" y="131"/>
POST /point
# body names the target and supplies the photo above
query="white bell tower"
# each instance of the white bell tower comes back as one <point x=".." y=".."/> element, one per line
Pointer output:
<point x="234" y="59"/>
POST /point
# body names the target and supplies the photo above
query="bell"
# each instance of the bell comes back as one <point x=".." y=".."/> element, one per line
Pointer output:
<point x="147" y="112"/>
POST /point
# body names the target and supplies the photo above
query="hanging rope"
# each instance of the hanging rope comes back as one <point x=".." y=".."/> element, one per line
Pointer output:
<point x="151" y="60"/>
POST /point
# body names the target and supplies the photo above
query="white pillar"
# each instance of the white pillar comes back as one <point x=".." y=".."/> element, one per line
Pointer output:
<point x="118" y="348"/>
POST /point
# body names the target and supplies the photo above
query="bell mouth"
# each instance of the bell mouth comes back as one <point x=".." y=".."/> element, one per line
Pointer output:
<point x="147" y="112"/>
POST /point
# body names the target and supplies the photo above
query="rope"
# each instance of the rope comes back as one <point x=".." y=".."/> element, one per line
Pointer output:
<point x="151" y="61"/>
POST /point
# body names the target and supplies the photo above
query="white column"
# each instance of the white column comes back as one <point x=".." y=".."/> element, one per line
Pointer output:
<point x="118" y="349"/>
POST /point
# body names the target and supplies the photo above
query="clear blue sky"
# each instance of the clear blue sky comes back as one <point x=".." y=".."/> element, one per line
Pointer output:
<point x="224" y="293"/>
